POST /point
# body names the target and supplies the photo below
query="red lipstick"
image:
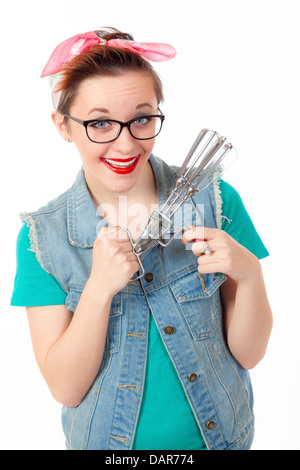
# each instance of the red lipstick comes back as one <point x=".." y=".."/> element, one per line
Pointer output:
<point x="120" y="166"/>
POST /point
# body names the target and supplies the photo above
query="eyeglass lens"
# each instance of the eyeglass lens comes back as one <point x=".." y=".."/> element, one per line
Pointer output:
<point x="145" y="127"/>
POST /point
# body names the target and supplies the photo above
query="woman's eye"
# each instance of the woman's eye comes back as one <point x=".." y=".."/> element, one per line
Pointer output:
<point x="143" y="120"/>
<point x="101" y="125"/>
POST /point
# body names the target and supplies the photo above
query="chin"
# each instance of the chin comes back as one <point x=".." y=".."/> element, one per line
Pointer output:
<point x="121" y="186"/>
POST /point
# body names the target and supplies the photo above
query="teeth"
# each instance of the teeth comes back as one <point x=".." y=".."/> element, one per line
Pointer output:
<point x="120" y="164"/>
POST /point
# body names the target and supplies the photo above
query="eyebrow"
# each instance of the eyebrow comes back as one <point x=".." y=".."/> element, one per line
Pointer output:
<point x="104" y="110"/>
<point x="143" y="104"/>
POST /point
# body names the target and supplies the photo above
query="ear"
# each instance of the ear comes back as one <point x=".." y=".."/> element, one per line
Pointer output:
<point x="61" y="126"/>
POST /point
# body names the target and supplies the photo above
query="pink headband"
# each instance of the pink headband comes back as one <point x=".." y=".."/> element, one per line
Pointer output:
<point x="73" y="46"/>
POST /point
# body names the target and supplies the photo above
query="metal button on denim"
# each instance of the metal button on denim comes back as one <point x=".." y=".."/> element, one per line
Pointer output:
<point x="149" y="277"/>
<point x="210" y="425"/>
<point x="169" y="330"/>
<point x="192" y="377"/>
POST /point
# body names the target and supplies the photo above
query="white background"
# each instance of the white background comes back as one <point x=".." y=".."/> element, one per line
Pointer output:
<point x="237" y="71"/>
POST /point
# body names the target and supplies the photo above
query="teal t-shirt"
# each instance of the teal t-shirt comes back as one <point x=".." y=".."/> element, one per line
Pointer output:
<point x="160" y="426"/>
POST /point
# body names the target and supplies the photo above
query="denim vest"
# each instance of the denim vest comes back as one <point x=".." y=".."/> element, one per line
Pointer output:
<point x="218" y="388"/>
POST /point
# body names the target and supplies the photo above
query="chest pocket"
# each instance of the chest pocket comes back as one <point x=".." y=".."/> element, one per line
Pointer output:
<point x="199" y="301"/>
<point x="113" y="335"/>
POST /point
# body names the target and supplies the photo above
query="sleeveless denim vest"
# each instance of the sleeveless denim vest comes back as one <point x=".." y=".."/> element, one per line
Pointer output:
<point x="218" y="388"/>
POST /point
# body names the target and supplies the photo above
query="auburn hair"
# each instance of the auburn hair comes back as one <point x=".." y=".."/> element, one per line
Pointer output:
<point x="101" y="61"/>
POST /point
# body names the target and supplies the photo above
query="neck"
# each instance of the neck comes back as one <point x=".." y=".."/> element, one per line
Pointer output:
<point x="129" y="209"/>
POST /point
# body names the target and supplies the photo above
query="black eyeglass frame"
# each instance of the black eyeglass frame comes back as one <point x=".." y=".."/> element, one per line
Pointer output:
<point x="122" y="125"/>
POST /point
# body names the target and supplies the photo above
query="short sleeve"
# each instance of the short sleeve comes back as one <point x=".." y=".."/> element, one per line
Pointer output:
<point x="33" y="286"/>
<point x="237" y="222"/>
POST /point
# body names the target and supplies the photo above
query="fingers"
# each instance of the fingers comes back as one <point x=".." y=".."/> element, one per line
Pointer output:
<point x="199" y="234"/>
<point x="202" y="247"/>
<point x="205" y="241"/>
<point x="130" y="256"/>
<point x="114" y="233"/>
<point x="114" y="240"/>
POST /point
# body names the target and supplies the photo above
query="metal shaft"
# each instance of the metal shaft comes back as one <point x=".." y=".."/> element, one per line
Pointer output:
<point x="207" y="159"/>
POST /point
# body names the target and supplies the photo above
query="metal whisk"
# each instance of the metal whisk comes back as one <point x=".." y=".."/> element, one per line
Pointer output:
<point x="206" y="161"/>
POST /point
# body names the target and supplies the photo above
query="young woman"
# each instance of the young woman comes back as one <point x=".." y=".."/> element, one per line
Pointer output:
<point x="155" y="363"/>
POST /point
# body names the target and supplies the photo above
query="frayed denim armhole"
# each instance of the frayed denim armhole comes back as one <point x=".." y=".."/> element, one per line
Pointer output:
<point x="219" y="203"/>
<point x="34" y="247"/>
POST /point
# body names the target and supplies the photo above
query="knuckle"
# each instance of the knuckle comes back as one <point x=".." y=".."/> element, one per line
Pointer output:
<point x="229" y="264"/>
<point x="128" y="246"/>
<point x="126" y="269"/>
<point x="123" y="258"/>
<point x="227" y="254"/>
<point x="113" y="250"/>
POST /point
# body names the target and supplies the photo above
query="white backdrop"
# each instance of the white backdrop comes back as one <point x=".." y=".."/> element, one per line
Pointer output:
<point x="237" y="71"/>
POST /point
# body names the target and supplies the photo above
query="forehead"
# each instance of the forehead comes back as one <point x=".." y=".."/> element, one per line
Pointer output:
<point x="116" y="92"/>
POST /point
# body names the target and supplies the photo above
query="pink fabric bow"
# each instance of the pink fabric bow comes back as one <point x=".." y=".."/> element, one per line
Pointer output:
<point x="73" y="46"/>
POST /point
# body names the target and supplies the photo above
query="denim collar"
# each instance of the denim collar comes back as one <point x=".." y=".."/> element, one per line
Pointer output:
<point x="84" y="221"/>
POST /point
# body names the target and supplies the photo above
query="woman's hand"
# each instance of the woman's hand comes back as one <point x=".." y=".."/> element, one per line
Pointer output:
<point x="247" y="313"/>
<point x="114" y="262"/>
<point x="227" y="256"/>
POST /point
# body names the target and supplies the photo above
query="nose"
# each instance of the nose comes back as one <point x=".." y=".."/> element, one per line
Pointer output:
<point x="125" y="142"/>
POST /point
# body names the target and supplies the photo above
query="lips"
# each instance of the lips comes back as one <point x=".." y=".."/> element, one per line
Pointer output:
<point x="121" y="166"/>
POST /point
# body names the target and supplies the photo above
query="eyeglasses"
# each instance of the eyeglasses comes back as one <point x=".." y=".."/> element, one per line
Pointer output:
<point x="103" y="131"/>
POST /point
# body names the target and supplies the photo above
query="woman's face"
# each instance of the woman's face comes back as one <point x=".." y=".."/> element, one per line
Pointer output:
<point x="122" y="98"/>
